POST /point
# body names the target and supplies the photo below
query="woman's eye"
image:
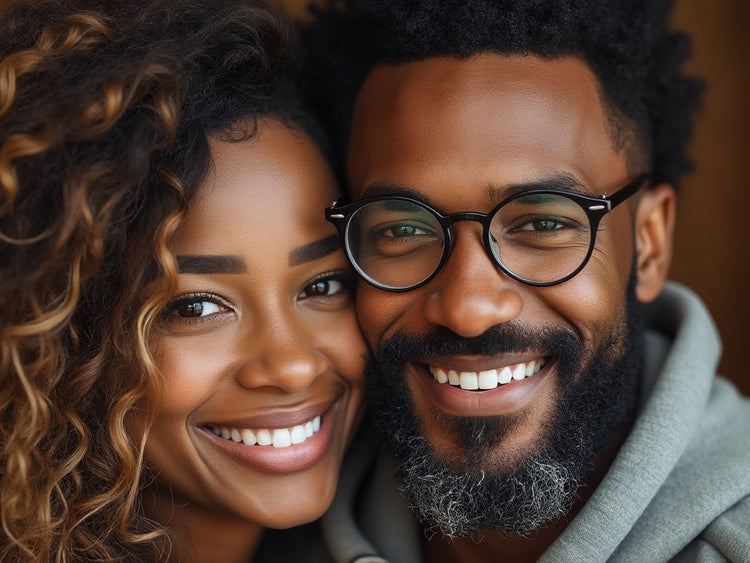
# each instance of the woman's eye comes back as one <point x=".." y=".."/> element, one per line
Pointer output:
<point x="197" y="309"/>
<point x="328" y="286"/>
<point x="323" y="288"/>
<point x="194" y="308"/>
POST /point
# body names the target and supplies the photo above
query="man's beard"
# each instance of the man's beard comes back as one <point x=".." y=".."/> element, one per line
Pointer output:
<point x="465" y="498"/>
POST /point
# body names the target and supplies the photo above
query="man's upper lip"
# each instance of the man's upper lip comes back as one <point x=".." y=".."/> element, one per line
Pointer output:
<point x="481" y="363"/>
<point x="278" y="418"/>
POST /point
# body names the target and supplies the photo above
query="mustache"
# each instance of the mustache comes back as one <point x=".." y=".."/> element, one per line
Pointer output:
<point x="499" y="339"/>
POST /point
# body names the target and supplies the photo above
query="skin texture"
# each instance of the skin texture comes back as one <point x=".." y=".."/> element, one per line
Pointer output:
<point x="456" y="134"/>
<point x="276" y="343"/>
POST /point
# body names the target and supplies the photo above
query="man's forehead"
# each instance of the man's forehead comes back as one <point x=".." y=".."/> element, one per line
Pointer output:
<point x="488" y="69"/>
<point x="515" y="107"/>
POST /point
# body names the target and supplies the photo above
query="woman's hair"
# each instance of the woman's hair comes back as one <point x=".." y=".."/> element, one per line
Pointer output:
<point x="629" y="45"/>
<point x="105" y="112"/>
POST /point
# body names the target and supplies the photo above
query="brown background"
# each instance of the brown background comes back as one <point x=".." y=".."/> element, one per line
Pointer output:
<point x="712" y="253"/>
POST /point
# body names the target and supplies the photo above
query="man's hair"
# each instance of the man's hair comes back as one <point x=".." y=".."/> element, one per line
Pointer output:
<point x="106" y="109"/>
<point x="628" y="44"/>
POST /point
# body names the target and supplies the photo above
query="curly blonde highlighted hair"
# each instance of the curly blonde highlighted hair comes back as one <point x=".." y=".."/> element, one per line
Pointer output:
<point x="105" y="112"/>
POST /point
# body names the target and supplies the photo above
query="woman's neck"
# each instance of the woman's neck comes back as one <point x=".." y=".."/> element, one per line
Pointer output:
<point x="200" y="535"/>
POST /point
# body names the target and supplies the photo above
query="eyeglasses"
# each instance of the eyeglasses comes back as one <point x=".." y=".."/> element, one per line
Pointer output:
<point x="538" y="237"/>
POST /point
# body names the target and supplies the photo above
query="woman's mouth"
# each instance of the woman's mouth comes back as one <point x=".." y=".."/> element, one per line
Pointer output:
<point x="269" y="445"/>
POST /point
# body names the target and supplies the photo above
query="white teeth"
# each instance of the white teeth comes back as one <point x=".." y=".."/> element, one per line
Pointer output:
<point x="441" y="376"/>
<point x="248" y="437"/>
<point x="488" y="379"/>
<point x="281" y="438"/>
<point x="453" y="378"/>
<point x="276" y="437"/>
<point x="469" y="380"/>
<point x="298" y="435"/>
<point x="504" y="376"/>
<point x="264" y="438"/>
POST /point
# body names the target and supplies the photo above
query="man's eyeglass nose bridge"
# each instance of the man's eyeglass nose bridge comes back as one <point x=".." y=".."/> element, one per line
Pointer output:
<point x="538" y="237"/>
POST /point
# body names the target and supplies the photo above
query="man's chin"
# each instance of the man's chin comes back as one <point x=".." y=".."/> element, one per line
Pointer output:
<point x="483" y="445"/>
<point x="457" y="496"/>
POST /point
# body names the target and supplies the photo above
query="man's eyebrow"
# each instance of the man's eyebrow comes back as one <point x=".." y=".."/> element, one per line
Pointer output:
<point x="376" y="190"/>
<point x="211" y="264"/>
<point x="556" y="182"/>
<point x="314" y="250"/>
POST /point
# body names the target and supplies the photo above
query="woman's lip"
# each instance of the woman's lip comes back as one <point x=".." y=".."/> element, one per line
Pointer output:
<point x="287" y="459"/>
<point x="499" y="401"/>
<point x="279" y="418"/>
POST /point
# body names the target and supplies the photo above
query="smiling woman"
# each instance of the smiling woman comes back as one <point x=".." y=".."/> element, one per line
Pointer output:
<point x="180" y="363"/>
<point x="259" y="348"/>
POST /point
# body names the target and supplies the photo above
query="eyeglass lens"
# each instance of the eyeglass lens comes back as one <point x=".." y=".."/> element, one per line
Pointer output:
<point x="540" y="237"/>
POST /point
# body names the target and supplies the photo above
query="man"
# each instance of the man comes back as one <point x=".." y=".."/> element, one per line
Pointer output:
<point x="544" y="392"/>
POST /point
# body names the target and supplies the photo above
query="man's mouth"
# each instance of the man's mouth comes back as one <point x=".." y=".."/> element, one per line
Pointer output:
<point x="274" y="437"/>
<point x="487" y="379"/>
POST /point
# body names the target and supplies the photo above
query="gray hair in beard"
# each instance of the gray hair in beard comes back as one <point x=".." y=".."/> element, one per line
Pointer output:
<point x="595" y="400"/>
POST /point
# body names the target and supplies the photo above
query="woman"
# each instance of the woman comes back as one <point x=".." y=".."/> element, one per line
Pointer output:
<point x="180" y="363"/>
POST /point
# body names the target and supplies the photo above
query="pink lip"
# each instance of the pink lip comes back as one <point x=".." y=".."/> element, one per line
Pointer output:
<point x="280" y="460"/>
<point x="279" y="418"/>
<point x="502" y="400"/>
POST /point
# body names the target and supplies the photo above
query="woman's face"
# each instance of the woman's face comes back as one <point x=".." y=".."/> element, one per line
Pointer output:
<point x="260" y="350"/>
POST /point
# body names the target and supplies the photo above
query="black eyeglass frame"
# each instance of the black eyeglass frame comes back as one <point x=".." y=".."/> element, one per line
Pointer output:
<point x="595" y="208"/>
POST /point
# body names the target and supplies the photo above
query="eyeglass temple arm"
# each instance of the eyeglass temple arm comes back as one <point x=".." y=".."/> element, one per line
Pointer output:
<point x="624" y="193"/>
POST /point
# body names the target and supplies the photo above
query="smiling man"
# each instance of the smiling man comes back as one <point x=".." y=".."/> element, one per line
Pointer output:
<point x="543" y="391"/>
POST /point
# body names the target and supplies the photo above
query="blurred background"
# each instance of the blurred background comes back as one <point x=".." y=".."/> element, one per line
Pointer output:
<point x="712" y="242"/>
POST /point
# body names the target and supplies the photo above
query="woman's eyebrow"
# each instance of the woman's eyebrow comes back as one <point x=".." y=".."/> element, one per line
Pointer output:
<point x="211" y="264"/>
<point x="314" y="250"/>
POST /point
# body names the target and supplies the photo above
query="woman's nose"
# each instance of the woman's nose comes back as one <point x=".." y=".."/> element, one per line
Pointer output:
<point x="280" y="353"/>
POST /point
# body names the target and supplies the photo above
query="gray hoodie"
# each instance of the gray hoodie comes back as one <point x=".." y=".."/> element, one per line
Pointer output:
<point x="678" y="489"/>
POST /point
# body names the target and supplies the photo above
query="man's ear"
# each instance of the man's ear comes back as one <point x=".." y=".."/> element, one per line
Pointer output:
<point x="654" y="228"/>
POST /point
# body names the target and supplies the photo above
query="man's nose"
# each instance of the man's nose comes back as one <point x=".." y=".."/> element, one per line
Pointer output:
<point x="471" y="294"/>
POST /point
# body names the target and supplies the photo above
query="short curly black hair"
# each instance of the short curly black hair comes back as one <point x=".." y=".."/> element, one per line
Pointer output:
<point x="628" y="44"/>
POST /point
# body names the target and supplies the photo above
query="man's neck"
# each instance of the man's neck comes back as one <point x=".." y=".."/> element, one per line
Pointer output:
<point x="491" y="545"/>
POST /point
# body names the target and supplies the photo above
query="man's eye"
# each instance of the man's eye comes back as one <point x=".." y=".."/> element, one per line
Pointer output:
<point x="403" y="230"/>
<point x="546" y="224"/>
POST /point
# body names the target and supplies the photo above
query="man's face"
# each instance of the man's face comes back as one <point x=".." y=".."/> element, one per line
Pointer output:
<point x="457" y="134"/>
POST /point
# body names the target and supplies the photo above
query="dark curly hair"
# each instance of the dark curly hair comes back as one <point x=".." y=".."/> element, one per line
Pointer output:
<point x="106" y="107"/>
<point x="627" y="43"/>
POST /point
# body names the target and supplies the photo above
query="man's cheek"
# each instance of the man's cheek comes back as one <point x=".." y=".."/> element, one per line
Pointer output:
<point x="380" y="313"/>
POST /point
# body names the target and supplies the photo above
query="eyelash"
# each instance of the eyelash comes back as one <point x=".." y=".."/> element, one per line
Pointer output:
<point x="345" y="278"/>
<point x="170" y="311"/>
